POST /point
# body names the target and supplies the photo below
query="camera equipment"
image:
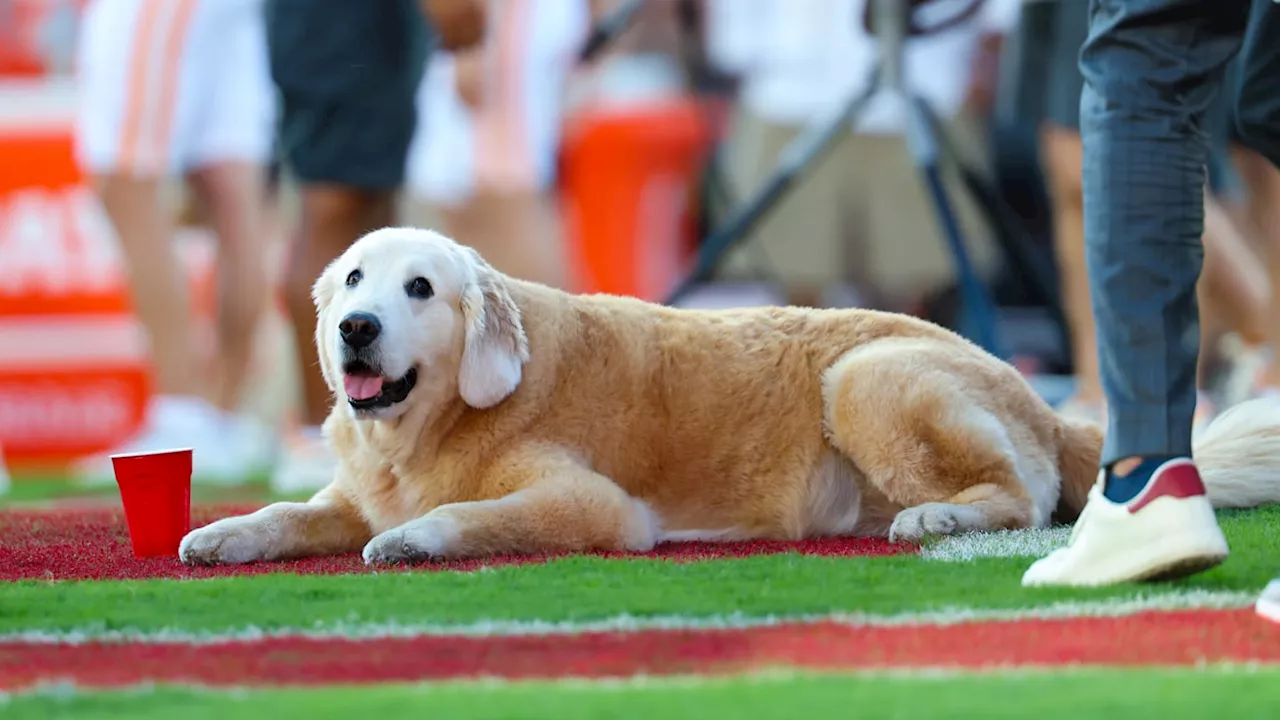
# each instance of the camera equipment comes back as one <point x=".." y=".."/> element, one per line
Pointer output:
<point x="893" y="24"/>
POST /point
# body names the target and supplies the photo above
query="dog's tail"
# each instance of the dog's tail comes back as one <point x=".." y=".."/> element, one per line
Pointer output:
<point x="1238" y="456"/>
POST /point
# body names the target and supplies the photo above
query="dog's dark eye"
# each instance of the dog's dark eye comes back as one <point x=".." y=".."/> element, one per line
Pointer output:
<point x="354" y="278"/>
<point x="419" y="288"/>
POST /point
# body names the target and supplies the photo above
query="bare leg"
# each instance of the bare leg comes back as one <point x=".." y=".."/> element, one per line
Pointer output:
<point x="1233" y="288"/>
<point x="145" y="229"/>
<point x="1263" y="210"/>
<point x="233" y="195"/>
<point x="178" y="413"/>
<point x="508" y="218"/>
<point x="1061" y="149"/>
<point x="332" y="218"/>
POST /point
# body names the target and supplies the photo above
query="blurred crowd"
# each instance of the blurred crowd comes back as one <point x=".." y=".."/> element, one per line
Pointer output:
<point x="290" y="127"/>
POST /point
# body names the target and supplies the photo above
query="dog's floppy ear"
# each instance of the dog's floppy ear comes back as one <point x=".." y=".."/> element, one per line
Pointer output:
<point x="495" y="347"/>
<point x="322" y="295"/>
<point x="322" y="289"/>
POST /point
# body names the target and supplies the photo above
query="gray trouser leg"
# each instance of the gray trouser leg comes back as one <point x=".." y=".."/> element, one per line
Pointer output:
<point x="1151" y="70"/>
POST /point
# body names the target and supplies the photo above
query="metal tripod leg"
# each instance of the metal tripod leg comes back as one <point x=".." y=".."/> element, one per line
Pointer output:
<point x="802" y="152"/>
<point x="1005" y="225"/>
<point x="796" y="158"/>
<point x="978" y="308"/>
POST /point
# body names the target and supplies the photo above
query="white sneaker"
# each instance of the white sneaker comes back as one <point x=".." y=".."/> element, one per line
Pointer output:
<point x="1268" y="605"/>
<point x="226" y="450"/>
<point x="1169" y="530"/>
<point x="307" y="464"/>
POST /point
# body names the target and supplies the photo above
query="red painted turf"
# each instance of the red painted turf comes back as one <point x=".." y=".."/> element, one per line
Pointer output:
<point x="1170" y="638"/>
<point x="93" y="544"/>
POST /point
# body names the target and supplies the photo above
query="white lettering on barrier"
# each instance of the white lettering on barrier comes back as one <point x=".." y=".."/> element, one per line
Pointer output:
<point x="56" y="242"/>
<point x="39" y="413"/>
<point x="69" y="344"/>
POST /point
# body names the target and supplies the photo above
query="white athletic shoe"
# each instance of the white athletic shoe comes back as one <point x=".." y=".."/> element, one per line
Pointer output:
<point x="307" y="464"/>
<point x="1268" y="605"/>
<point x="1169" y="530"/>
<point x="226" y="450"/>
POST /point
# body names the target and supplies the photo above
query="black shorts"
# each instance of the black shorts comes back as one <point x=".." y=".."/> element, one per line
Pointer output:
<point x="1065" y="82"/>
<point x="1070" y="28"/>
<point x="347" y="72"/>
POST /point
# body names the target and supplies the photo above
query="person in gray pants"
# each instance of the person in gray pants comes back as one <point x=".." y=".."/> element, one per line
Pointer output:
<point x="1152" y="69"/>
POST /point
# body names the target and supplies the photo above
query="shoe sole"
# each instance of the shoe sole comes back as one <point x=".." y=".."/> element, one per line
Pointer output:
<point x="1184" y="568"/>
<point x="1153" y="572"/>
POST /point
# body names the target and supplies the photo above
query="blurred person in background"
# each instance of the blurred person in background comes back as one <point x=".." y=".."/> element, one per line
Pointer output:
<point x="1258" y="210"/>
<point x="173" y="88"/>
<point x="1235" y="291"/>
<point x="348" y="73"/>
<point x="1146" y="143"/>
<point x="485" y="153"/>
<point x="862" y="214"/>
<point x="1240" y="288"/>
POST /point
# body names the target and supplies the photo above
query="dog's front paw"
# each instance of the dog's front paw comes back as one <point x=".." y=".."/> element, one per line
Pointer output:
<point x="428" y="537"/>
<point x="914" y="523"/>
<point x="229" y="541"/>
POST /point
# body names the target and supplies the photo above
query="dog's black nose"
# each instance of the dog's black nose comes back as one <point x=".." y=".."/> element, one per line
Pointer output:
<point x="359" y="329"/>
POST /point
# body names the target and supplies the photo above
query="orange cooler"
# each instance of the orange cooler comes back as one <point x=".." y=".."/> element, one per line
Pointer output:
<point x="629" y="173"/>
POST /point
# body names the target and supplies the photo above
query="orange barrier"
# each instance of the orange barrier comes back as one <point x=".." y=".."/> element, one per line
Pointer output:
<point x="74" y="371"/>
<point x="628" y="176"/>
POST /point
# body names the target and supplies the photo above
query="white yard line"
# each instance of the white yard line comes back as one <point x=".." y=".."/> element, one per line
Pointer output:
<point x="690" y="682"/>
<point x="1118" y="607"/>
<point x="1028" y="544"/>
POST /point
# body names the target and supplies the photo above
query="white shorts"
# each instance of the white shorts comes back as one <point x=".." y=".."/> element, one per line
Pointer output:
<point x="169" y="86"/>
<point x="511" y="141"/>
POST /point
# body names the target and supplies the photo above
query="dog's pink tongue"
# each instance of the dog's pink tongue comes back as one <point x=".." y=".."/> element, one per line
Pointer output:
<point x="362" y="387"/>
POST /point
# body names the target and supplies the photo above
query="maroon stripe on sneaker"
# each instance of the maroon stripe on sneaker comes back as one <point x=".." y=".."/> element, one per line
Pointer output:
<point x="1177" y="478"/>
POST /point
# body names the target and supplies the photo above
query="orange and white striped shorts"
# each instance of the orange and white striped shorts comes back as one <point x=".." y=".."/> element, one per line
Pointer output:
<point x="167" y="86"/>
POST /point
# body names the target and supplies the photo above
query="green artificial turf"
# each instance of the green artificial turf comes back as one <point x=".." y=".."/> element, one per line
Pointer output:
<point x="1131" y="694"/>
<point x="36" y="489"/>
<point x="587" y="588"/>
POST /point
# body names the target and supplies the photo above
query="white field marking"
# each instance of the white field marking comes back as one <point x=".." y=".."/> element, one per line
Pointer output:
<point x="354" y="629"/>
<point x="65" y="690"/>
<point x="1029" y="543"/>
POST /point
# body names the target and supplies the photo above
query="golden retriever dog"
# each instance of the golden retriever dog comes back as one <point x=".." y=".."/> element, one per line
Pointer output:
<point x="478" y="414"/>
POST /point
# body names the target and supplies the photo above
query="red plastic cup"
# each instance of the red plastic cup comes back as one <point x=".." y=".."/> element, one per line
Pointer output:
<point x="155" y="488"/>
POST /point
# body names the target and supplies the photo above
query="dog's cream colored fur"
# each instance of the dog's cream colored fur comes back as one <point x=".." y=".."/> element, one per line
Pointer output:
<point x="545" y="421"/>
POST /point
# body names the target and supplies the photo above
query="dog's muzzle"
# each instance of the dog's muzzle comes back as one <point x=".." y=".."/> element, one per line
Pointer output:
<point x="368" y="390"/>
